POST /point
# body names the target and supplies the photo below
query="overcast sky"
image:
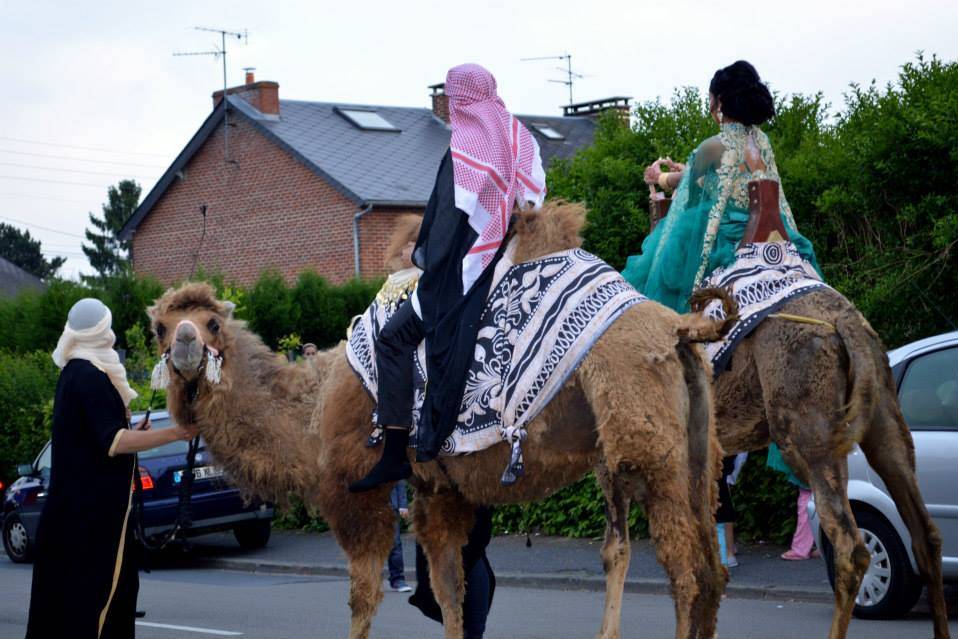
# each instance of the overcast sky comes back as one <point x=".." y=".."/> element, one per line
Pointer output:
<point x="92" y="94"/>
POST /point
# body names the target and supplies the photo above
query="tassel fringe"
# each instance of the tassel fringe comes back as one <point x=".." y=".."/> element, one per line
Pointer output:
<point x="214" y="368"/>
<point x="160" y="378"/>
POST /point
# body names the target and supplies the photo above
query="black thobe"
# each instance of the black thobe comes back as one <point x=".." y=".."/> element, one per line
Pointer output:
<point x="84" y="579"/>
<point x="450" y="316"/>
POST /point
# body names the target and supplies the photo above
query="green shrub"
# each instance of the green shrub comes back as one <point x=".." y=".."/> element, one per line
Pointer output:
<point x="269" y="309"/>
<point x="27" y="384"/>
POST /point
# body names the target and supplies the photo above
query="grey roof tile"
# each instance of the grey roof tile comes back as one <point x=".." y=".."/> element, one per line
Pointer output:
<point x="14" y="279"/>
<point x="369" y="167"/>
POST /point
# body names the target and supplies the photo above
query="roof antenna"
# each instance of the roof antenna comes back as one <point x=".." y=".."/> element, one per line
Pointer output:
<point x="571" y="76"/>
<point x="216" y="53"/>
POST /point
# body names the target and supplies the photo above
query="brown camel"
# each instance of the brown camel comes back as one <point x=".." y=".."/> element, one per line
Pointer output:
<point x="816" y="391"/>
<point x="637" y="411"/>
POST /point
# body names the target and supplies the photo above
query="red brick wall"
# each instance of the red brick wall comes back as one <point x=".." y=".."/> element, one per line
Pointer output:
<point x="375" y="235"/>
<point x="267" y="211"/>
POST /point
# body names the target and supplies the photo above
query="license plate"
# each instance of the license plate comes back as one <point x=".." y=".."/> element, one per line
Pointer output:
<point x="203" y="472"/>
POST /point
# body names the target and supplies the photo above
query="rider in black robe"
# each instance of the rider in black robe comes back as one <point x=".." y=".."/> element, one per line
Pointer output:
<point x="85" y="580"/>
<point x="447" y="318"/>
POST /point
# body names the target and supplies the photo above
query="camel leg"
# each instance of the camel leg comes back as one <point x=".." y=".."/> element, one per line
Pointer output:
<point x="828" y="479"/>
<point x="677" y="542"/>
<point x="442" y="522"/>
<point x="889" y="449"/>
<point x="366" y="536"/>
<point x="616" y="550"/>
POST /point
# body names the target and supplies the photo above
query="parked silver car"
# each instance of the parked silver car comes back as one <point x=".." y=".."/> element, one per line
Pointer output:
<point x="926" y="375"/>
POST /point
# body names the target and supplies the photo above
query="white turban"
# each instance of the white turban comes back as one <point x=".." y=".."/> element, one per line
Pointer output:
<point x="88" y="335"/>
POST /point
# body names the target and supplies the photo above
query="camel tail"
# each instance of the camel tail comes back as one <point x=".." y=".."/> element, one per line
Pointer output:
<point x="696" y="327"/>
<point x="865" y="361"/>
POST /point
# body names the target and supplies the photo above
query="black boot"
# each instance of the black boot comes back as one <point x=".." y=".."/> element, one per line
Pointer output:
<point x="392" y="466"/>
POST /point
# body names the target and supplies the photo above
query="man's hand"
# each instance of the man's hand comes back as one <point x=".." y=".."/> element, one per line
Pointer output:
<point x="143" y="424"/>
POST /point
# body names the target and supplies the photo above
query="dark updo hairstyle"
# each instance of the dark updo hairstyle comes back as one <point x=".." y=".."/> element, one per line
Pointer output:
<point x="744" y="96"/>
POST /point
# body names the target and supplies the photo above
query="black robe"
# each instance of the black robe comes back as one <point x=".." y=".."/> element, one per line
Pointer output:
<point x="450" y="315"/>
<point x="84" y="579"/>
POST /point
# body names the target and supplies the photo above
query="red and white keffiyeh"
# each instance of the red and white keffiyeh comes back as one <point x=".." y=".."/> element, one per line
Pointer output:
<point x="495" y="160"/>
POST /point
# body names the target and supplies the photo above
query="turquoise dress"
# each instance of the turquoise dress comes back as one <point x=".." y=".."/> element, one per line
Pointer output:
<point x="707" y="218"/>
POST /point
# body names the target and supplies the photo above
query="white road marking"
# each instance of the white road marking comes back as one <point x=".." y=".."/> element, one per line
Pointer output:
<point x="207" y="631"/>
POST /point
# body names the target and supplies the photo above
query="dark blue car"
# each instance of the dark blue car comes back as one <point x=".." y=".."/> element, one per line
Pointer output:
<point x="215" y="505"/>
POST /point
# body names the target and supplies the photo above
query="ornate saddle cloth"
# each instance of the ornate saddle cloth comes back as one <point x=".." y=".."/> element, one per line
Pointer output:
<point x="762" y="278"/>
<point x="540" y="321"/>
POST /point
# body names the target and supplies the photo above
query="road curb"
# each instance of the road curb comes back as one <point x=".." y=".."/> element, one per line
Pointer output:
<point x="534" y="580"/>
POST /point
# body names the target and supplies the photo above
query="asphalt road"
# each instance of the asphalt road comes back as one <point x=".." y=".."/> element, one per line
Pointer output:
<point x="215" y="603"/>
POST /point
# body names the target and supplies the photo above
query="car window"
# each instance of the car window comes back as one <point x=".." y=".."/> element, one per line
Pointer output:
<point x="178" y="447"/>
<point x="929" y="391"/>
<point x="43" y="461"/>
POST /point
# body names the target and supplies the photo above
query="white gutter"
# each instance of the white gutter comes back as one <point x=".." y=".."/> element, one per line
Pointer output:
<point x="358" y="216"/>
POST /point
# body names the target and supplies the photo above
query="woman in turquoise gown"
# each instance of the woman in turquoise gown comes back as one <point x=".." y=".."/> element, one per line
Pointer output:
<point x="709" y="210"/>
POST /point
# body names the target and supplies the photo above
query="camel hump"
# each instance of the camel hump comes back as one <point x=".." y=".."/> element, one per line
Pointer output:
<point x="764" y="214"/>
<point x="557" y="226"/>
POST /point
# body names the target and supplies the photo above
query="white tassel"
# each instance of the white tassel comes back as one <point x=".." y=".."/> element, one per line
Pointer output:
<point x="160" y="377"/>
<point x="214" y="367"/>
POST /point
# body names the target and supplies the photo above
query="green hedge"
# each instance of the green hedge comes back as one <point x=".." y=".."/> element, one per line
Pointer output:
<point x="27" y="383"/>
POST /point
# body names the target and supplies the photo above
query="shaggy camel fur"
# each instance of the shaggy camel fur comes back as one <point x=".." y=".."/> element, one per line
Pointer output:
<point x="637" y="411"/>
<point x="816" y="392"/>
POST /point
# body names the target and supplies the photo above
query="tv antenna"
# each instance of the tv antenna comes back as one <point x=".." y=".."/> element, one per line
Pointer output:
<point x="218" y="53"/>
<point x="570" y="75"/>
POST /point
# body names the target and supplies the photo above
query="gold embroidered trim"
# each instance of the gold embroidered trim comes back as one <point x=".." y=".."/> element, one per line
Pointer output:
<point x="118" y="565"/>
<point x="116" y="442"/>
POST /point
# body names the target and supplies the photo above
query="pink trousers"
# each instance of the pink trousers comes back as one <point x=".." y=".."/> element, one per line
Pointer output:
<point x="802" y="540"/>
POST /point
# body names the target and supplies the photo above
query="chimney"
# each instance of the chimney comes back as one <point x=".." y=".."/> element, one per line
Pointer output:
<point x="440" y="101"/>
<point x="262" y="95"/>
<point x="595" y="108"/>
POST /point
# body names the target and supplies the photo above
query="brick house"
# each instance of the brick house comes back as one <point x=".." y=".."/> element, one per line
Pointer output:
<point x="304" y="185"/>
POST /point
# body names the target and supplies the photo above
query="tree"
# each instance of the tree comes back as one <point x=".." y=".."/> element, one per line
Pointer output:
<point x="20" y="248"/>
<point x="109" y="255"/>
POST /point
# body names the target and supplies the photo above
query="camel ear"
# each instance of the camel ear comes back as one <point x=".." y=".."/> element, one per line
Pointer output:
<point x="151" y="312"/>
<point x="228" y="308"/>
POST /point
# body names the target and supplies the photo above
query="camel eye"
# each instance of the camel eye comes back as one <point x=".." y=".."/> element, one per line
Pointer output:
<point x="160" y="330"/>
<point x="213" y="326"/>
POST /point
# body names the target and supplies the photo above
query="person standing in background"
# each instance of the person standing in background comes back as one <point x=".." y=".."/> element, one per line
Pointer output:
<point x="397" y="570"/>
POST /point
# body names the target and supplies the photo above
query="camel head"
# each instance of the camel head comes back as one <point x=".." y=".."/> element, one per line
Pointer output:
<point x="192" y="332"/>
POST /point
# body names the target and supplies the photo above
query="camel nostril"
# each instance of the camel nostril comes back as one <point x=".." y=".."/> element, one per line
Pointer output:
<point x="186" y="336"/>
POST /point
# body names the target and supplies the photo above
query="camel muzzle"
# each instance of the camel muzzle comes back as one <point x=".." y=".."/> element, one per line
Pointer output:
<point x="187" y="349"/>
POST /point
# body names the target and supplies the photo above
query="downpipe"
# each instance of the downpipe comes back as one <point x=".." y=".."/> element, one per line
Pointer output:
<point x="358" y="216"/>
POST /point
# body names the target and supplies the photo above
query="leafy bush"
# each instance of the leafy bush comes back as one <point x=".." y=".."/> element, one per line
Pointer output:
<point x="27" y="383"/>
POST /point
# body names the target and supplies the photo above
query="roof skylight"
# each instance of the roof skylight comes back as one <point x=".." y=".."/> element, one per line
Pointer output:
<point x="366" y="119"/>
<point x="548" y="131"/>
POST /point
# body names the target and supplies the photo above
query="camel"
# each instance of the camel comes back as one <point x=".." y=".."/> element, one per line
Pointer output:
<point x="637" y="412"/>
<point x="816" y="388"/>
<point x="816" y="391"/>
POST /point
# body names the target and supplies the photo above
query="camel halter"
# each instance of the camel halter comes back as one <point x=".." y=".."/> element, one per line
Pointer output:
<point x="213" y="367"/>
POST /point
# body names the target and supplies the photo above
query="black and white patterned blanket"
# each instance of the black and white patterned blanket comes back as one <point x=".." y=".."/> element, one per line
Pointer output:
<point x="540" y="321"/>
<point x="762" y="278"/>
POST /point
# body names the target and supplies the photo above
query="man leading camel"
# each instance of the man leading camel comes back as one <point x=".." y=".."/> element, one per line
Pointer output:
<point x="493" y="163"/>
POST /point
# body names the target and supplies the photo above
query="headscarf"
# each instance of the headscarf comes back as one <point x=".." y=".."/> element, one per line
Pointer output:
<point x="88" y="335"/>
<point x="496" y="162"/>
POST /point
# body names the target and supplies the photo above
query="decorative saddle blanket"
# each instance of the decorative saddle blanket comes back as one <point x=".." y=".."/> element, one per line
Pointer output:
<point x="762" y="278"/>
<point x="540" y="321"/>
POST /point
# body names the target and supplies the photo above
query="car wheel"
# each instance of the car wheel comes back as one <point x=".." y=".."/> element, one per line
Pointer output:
<point x="16" y="541"/>
<point x="890" y="588"/>
<point x="252" y="535"/>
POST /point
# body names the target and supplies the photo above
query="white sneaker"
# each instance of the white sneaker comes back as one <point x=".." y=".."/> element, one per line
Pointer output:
<point x="400" y="586"/>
